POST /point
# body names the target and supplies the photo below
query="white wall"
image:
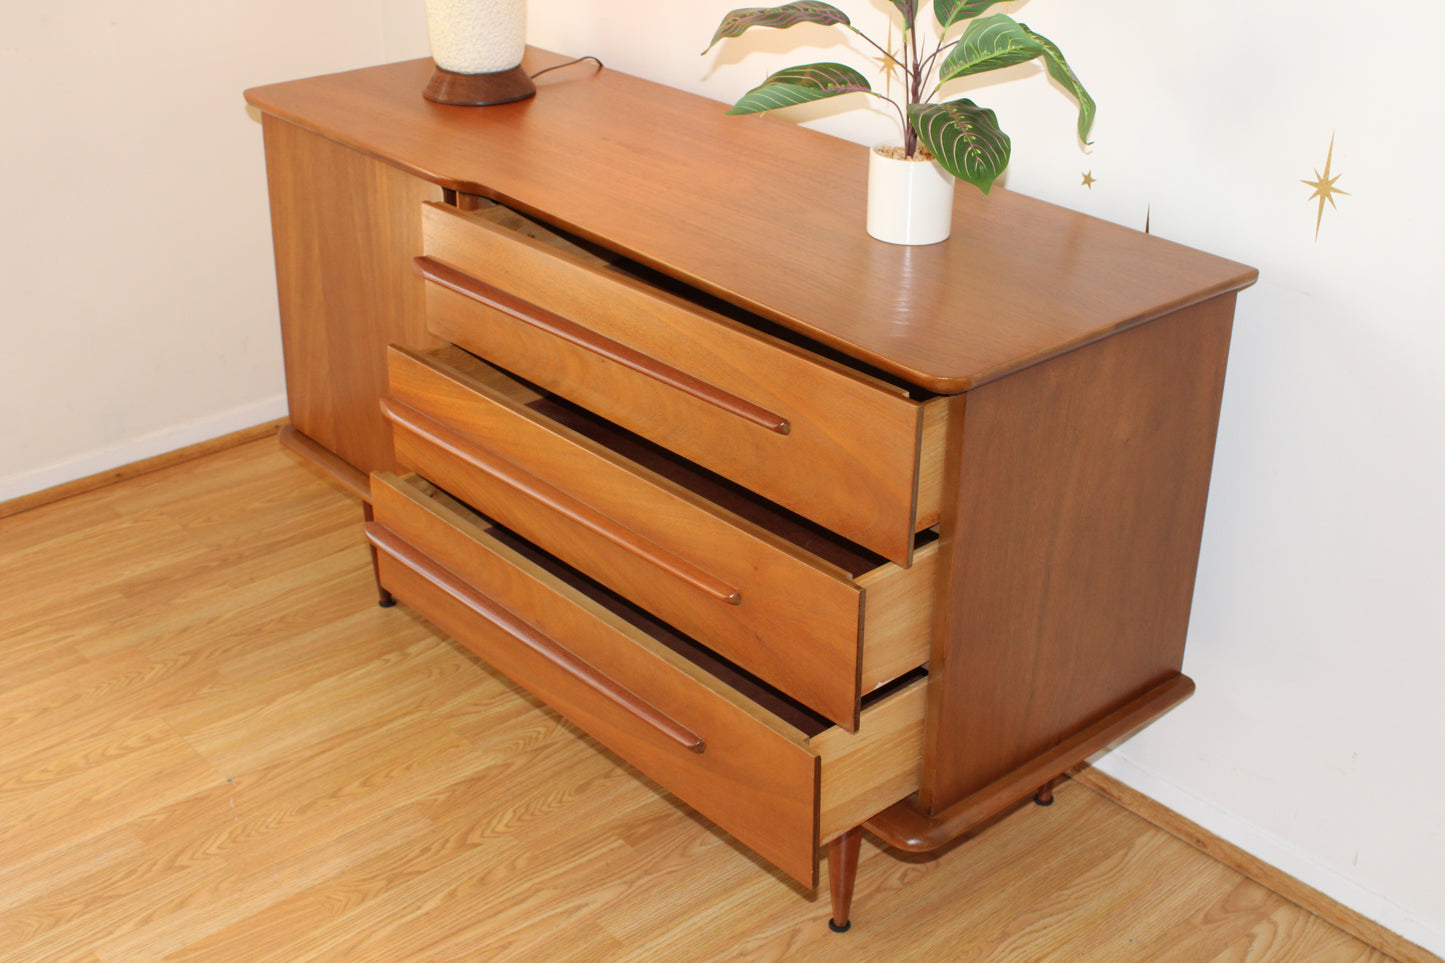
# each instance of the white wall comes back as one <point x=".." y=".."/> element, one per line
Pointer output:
<point x="140" y="316"/>
<point x="139" y="304"/>
<point x="1317" y="637"/>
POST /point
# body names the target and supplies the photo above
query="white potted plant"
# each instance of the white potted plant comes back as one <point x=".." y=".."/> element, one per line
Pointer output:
<point x="911" y="185"/>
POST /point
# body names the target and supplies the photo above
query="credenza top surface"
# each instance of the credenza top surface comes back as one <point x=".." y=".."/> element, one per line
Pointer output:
<point x="769" y="216"/>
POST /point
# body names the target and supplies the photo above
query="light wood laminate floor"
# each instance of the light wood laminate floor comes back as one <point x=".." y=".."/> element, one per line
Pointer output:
<point x="214" y="746"/>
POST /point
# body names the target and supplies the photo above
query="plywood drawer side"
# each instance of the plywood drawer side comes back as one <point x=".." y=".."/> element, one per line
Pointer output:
<point x="867" y="771"/>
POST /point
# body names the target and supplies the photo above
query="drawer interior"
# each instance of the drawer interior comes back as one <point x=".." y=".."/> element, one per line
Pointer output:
<point x="526" y="459"/>
<point x="793" y="713"/>
<point x="808" y="536"/>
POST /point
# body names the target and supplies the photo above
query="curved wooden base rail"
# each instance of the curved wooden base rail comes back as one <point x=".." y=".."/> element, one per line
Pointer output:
<point x="348" y="476"/>
<point x="573" y="333"/>
<point x="344" y="472"/>
<point x="383" y="539"/>
<point x="907" y="827"/>
<point x="558" y="501"/>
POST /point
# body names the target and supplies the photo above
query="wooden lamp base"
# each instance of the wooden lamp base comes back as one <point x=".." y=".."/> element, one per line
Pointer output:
<point x="479" y="90"/>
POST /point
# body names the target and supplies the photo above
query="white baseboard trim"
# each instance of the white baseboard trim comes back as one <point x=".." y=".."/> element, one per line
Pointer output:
<point x="139" y="449"/>
<point x="1283" y="855"/>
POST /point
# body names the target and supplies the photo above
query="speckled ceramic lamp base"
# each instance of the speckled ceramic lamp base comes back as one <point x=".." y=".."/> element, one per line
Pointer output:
<point x="479" y="90"/>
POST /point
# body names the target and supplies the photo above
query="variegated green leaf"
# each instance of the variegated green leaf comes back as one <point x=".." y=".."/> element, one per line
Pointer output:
<point x="788" y="15"/>
<point x="801" y="85"/>
<point x="1060" y="70"/>
<point x="989" y="44"/>
<point x="965" y="138"/>
<point x="950" y="12"/>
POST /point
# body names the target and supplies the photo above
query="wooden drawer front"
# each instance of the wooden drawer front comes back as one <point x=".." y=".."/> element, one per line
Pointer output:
<point x="779" y="612"/>
<point x="815" y="437"/>
<point x="749" y="770"/>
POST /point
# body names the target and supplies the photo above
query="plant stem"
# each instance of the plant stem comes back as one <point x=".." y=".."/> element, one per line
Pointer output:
<point x="915" y="90"/>
<point x="876" y="46"/>
<point x="902" y="117"/>
<point x="928" y="64"/>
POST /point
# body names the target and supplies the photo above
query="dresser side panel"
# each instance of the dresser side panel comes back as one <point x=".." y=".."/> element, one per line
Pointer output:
<point x="346" y="227"/>
<point x="1071" y="543"/>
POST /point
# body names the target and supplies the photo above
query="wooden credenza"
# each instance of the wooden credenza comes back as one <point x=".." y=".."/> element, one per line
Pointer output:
<point x="818" y="532"/>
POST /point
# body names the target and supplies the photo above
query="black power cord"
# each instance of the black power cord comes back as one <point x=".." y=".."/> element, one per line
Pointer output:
<point x="568" y="64"/>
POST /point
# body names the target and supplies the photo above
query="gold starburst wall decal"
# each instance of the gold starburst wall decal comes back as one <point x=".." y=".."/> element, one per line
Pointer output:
<point x="887" y="62"/>
<point x="1324" y="187"/>
<point x="1089" y="179"/>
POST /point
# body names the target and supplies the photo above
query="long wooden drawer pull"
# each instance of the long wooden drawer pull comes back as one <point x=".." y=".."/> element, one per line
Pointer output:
<point x="574" y="333"/>
<point x="558" y="501"/>
<point x="540" y="643"/>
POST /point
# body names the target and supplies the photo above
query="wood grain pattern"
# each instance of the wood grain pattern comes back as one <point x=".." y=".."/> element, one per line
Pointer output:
<point x="408" y="804"/>
<point x="860" y="773"/>
<point x="843" y="854"/>
<point x="909" y="826"/>
<point x="1342" y="918"/>
<point x="1070" y="548"/>
<point x="1019" y="280"/>
<point x="550" y="652"/>
<point x="577" y="336"/>
<point x="897" y="617"/>
<point x="799" y="621"/>
<point x="869" y="770"/>
<point x="423" y="431"/>
<point x="1072" y="519"/>
<point x="756" y="782"/>
<point x="627" y="351"/>
<point x="932" y="460"/>
<point x="345" y="227"/>
<point x="345" y="474"/>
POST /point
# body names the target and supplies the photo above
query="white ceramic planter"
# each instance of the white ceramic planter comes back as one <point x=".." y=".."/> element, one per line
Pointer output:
<point x="909" y="201"/>
<point x="477" y="36"/>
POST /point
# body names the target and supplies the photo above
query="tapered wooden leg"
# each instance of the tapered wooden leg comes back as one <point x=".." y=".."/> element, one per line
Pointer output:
<point x="1045" y="795"/>
<point x="383" y="597"/>
<point x="842" y="871"/>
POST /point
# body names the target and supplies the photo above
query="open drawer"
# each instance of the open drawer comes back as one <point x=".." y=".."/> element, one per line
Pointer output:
<point x="775" y="776"/>
<point x="749" y="406"/>
<point x="783" y="599"/>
